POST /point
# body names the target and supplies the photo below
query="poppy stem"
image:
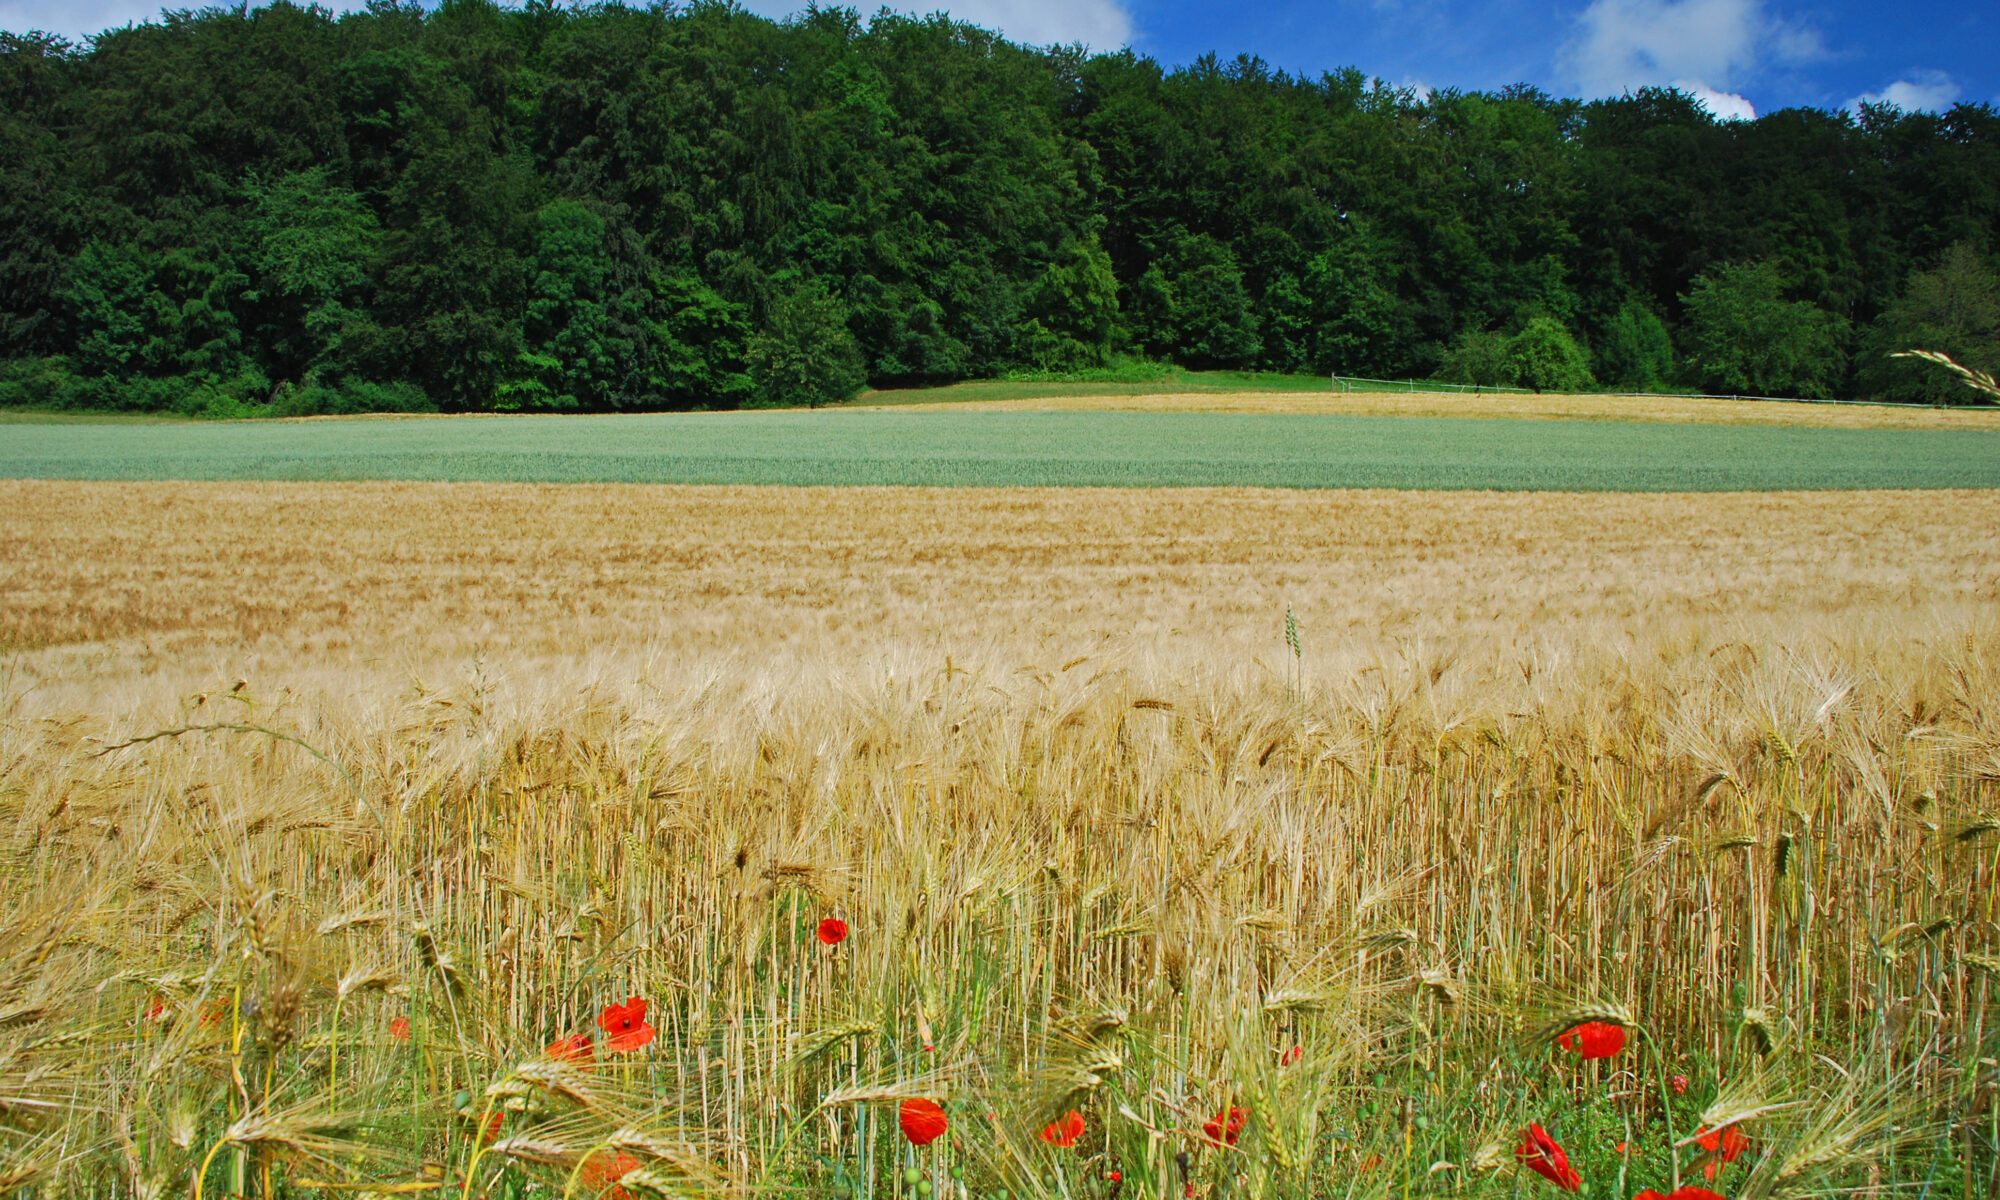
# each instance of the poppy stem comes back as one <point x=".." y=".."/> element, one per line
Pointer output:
<point x="1666" y="1105"/>
<point x="333" y="1062"/>
<point x="478" y="1149"/>
<point x="201" y="1176"/>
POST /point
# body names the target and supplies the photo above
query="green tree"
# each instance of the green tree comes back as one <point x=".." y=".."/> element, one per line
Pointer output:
<point x="576" y="348"/>
<point x="1635" y="350"/>
<point x="1744" y="337"/>
<point x="314" y="245"/>
<point x="411" y="190"/>
<point x="142" y="313"/>
<point x="1478" y="357"/>
<point x="1954" y="308"/>
<point x="698" y="346"/>
<point x="1073" y="310"/>
<point x="806" y="354"/>
<point x="1360" y="327"/>
<point x="1544" y="356"/>
<point x="1198" y="308"/>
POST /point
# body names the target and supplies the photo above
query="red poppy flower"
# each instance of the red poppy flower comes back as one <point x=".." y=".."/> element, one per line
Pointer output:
<point x="492" y="1129"/>
<point x="923" y="1121"/>
<point x="1594" y="1039"/>
<point x="1539" y="1153"/>
<point x="1064" y="1130"/>
<point x="1225" y="1127"/>
<point x="626" y="1023"/>
<point x="1680" y="1084"/>
<point x="1726" y="1145"/>
<point x="1694" y="1193"/>
<point x="1115" y="1177"/>
<point x="1649" y="1194"/>
<point x="575" y="1048"/>
<point x="1291" y="1056"/>
<point x="833" y="931"/>
<point x="400" y="1029"/>
<point x="602" y="1171"/>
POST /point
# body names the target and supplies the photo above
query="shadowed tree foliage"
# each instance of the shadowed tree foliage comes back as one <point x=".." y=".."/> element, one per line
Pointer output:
<point x="1634" y="350"/>
<point x="1745" y="337"/>
<point x="806" y="355"/>
<point x="612" y="206"/>
<point x="1544" y="356"/>
<point x="1953" y="308"/>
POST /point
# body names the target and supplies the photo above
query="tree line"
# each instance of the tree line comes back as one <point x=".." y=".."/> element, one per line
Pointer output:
<point x="545" y="207"/>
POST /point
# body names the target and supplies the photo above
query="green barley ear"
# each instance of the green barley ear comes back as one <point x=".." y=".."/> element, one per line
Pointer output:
<point x="808" y="1047"/>
<point x="1292" y="644"/>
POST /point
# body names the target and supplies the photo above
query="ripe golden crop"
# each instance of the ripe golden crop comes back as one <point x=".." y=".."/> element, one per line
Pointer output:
<point x="334" y="816"/>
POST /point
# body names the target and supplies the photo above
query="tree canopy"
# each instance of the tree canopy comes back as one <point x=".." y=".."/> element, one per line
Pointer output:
<point x="604" y="206"/>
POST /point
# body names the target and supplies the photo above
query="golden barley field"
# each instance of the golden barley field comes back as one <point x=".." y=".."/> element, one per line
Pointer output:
<point x="1586" y="842"/>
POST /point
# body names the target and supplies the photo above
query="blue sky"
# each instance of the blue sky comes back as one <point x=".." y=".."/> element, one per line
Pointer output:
<point x="1742" y="56"/>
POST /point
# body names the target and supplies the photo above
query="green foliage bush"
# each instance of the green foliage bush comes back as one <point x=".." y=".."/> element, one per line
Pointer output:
<point x="1953" y="308"/>
<point x="1544" y="356"/>
<point x="347" y="398"/>
<point x="55" y="384"/>
<point x="1635" y="351"/>
<point x="807" y="356"/>
<point x="1745" y="338"/>
<point x="1478" y="357"/>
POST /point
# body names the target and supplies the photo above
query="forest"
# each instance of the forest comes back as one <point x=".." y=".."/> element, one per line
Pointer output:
<point x="541" y="207"/>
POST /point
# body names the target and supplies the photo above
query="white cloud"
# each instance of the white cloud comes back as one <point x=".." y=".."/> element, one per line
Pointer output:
<point x="1707" y="48"/>
<point x="1929" y="91"/>
<point x="74" y="18"/>
<point x="77" y="19"/>
<point x="1100" y="24"/>
<point x="1623" y="44"/>
<point x="1726" y="106"/>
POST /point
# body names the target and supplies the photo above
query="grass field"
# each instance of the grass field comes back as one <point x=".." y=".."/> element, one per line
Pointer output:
<point x="331" y="810"/>
<point x="971" y="448"/>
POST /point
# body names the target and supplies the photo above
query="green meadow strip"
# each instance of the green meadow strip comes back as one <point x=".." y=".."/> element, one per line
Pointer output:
<point x="1013" y="449"/>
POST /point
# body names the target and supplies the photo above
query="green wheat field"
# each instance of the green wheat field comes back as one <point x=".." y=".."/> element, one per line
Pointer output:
<point x="1003" y="449"/>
